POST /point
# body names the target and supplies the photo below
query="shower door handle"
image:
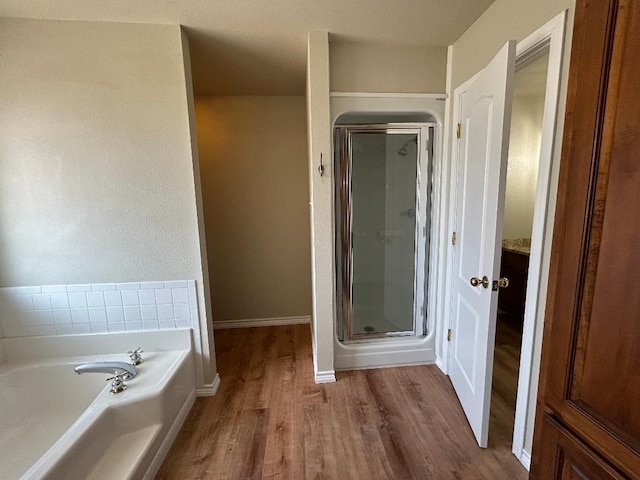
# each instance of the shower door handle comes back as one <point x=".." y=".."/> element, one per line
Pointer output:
<point x="475" y="281"/>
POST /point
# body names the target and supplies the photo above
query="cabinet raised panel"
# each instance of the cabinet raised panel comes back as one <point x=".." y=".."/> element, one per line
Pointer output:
<point x="591" y="349"/>
<point x="570" y="459"/>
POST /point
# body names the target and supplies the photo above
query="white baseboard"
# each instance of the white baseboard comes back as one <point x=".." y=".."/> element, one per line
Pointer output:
<point x="261" y="322"/>
<point x="210" y="389"/>
<point x="328" y="376"/>
<point x="440" y="364"/>
<point x="525" y="460"/>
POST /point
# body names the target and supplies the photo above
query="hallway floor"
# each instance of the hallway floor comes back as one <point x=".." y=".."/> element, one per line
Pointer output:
<point x="270" y="420"/>
<point x="504" y="387"/>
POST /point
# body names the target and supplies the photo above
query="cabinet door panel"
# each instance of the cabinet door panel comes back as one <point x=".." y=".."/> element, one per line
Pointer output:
<point x="514" y="266"/>
<point x="607" y="353"/>
<point x="592" y="338"/>
<point x="564" y="457"/>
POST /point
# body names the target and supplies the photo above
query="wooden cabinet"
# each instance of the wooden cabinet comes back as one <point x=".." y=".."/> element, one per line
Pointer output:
<point x="514" y="266"/>
<point x="571" y="459"/>
<point x="588" y="420"/>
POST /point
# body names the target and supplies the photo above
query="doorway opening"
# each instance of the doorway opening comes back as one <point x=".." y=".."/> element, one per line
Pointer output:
<point x="468" y="345"/>
<point x="523" y="160"/>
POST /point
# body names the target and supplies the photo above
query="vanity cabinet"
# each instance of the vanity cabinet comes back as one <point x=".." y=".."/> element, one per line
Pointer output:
<point x="588" y="416"/>
<point x="514" y="266"/>
<point x="574" y="460"/>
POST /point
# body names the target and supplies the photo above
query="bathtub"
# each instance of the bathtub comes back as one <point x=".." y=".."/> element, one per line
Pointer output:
<point x="55" y="424"/>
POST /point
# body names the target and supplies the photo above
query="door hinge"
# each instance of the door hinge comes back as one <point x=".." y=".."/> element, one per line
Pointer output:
<point x="454" y="237"/>
<point x="449" y="335"/>
<point x="459" y="131"/>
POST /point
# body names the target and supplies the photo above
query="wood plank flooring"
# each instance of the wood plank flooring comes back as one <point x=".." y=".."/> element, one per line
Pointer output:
<point x="270" y="420"/>
<point x="506" y="366"/>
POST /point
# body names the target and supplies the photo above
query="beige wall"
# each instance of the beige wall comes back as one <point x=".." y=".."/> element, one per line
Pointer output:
<point x="97" y="172"/>
<point x="96" y="175"/>
<point x="254" y="179"/>
<point x="522" y="167"/>
<point x="357" y="67"/>
<point x="203" y="285"/>
<point x="504" y="20"/>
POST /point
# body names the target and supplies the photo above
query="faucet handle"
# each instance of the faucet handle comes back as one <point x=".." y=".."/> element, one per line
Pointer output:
<point x="117" y="383"/>
<point x="136" y="358"/>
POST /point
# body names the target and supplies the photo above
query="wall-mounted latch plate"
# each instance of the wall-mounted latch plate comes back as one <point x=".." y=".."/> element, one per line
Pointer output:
<point x="449" y="335"/>
<point x="459" y="131"/>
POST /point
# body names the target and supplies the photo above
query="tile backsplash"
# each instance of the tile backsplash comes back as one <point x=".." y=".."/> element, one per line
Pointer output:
<point x="98" y="308"/>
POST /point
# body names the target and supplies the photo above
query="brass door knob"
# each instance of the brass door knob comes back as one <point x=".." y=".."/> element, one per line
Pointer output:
<point x="500" y="283"/>
<point x="475" y="281"/>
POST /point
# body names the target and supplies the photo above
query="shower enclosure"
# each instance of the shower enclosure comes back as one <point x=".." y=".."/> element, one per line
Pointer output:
<point x="382" y="199"/>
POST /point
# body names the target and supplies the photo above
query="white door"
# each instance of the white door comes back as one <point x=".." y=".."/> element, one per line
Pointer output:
<point x="485" y="114"/>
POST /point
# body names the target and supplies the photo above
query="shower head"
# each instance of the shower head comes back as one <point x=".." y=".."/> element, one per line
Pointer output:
<point x="402" y="151"/>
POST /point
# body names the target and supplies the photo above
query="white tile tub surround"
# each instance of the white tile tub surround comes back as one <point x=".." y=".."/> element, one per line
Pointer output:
<point x="52" y="310"/>
<point x="97" y="308"/>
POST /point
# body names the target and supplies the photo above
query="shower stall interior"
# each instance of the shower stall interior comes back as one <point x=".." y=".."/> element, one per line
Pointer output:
<point x="382" y="213"/>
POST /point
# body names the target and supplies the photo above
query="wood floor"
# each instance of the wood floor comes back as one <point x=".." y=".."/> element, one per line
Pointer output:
<point x="506" y="363"/>
<point x="270" y="420"/>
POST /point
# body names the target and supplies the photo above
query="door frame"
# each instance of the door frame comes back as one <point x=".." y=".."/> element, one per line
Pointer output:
<point x="423" y="209"/>
<point x="550" y="36"/>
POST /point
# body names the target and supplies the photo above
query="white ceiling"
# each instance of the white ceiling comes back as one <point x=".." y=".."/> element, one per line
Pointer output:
<point x="258" y="47"/>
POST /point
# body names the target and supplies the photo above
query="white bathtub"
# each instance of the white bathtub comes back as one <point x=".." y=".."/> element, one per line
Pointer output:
<point x="55" y="424"/>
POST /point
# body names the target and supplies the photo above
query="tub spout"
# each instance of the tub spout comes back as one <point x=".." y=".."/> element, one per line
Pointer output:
<point x="113" y="368"/>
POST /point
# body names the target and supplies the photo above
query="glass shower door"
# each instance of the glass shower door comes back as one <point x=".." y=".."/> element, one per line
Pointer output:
<point x="380" y="209"/>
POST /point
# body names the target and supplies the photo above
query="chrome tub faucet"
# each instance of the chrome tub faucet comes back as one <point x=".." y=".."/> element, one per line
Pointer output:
<point x="120" y="372"/>
<point x="120" y="369"/>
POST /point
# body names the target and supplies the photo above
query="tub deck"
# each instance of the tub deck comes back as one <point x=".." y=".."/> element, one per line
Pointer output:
<point x="39" y="403"/>
<point x="56" y="424"/>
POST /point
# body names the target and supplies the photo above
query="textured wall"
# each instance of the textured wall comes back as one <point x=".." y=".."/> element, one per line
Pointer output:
<point x="321" y="206"/>
<point x="504" y="20"/>
<point x="357" y="67"/>
<point x="96" y="174"/>
<point x="522" y="168"/>
<point x="253" y="163"/>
